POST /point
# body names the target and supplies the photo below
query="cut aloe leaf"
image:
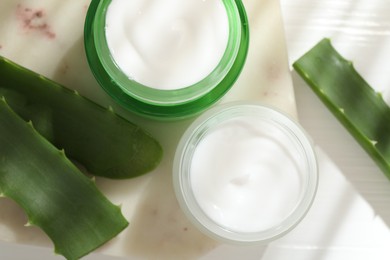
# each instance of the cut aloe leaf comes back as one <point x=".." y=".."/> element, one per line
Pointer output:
<point x="350" y="98"/>
<point x="105" y="143"/>
<point x="56" y="196"/>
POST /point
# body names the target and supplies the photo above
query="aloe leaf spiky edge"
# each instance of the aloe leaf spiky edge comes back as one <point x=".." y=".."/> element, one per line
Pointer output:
<point x="105" y="143"/>
<point x="55" y="195"/>
<point x="361" y="110"/>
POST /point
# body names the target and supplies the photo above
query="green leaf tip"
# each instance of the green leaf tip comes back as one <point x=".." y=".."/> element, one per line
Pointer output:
<point x="380" y="95"/>
<point x="350" y="98"/>
<point x="374" y="143"/>
<point x="29" y="224"/>
<point x="62" y="152"/>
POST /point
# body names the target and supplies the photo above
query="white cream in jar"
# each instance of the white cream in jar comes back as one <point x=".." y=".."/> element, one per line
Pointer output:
<point x="245" y="173"/>
<point x="244" y="176"/>
<point x="167" y="44"/>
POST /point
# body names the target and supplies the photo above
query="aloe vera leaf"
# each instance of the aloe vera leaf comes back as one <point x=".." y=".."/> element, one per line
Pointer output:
<point x="350" y="98"/>
<point x="105" y="143"/>
<point x="56" y="196"/>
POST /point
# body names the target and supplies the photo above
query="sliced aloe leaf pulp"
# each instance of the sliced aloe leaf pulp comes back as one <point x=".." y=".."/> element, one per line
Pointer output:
<point x="350" y="98"/>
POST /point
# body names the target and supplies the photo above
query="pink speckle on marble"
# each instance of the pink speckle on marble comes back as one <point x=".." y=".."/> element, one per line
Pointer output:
<point x="85" y="8"/>
<point x="64" y="68"/>
<point x="270" y="94"/>
<point x="273" y="71"/>
<point x="34" y="21"/>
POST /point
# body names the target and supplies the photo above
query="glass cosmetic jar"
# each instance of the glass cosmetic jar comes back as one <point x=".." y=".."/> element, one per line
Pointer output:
<point x="171" y="103"/>
<point x="245" y="173"/>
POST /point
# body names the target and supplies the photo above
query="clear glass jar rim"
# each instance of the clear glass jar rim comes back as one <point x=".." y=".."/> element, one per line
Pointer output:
<point x="182" y="185"/>
<point x="176" y="96"/>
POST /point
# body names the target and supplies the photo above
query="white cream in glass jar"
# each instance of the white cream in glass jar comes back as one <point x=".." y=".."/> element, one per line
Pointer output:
<point x="245" y="173"/>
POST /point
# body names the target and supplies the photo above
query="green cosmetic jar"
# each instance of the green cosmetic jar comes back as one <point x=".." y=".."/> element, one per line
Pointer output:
<point x="172" y="104"/>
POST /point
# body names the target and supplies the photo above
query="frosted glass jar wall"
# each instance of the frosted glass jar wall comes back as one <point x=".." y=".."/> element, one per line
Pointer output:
<point x="245" y="173"/>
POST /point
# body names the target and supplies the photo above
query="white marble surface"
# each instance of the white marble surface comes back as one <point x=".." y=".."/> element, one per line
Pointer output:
<point x="350" y="217"/>
<point x="46" y="36"/>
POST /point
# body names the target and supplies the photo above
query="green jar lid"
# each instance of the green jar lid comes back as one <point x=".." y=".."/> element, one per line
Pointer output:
<point x="165" y="104"/>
